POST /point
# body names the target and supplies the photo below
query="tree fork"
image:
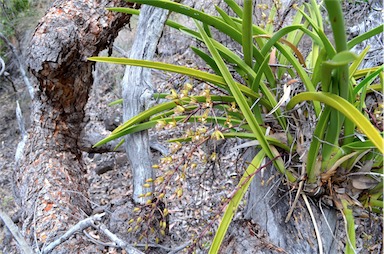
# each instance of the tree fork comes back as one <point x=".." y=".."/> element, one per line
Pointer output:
<point x="49" y="181"/>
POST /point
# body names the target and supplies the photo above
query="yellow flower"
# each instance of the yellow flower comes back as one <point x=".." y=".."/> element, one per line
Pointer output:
<point x="159" y="180"/>
<point x="173" y="95"/>
<point x="233" y="107"/>
<point x="172" y="124"/>
<point x="213" y="156"/>
<point x="179" y="109"/>
<point x="217" y="135"/>
<point x="179" y="192"/>
<point x="188" y="87"/>
<point x="175" y="147"/>
<point x="160" y="124"/>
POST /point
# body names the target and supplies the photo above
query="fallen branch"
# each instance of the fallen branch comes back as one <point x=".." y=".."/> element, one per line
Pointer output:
<point x="153" y="245"/>
<point x="22" y="243"/>
<point x="79" y="227"/>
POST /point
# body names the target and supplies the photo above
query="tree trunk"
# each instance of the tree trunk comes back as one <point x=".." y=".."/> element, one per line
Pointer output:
<point x="137" y="96"/>
<point x="49" y="178"/>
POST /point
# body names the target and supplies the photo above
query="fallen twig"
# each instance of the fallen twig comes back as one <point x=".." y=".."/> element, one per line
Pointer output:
<point x="23" y="245"/>
<point x="2" y="69"/>
<point x="301" y="184"/>
<point x="317" y="232"/>
<point x="96" y="241"/>
<point x="181" y="247"/>
<point x="154" y="245"/>
<point x="120" y="243"/>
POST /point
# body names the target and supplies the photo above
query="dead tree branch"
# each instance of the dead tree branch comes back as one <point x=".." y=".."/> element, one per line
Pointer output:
<point x="137" y="95"/>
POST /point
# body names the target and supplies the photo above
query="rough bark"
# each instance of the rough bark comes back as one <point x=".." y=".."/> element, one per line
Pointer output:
<point x="49" y="179"/>
<point x="137" y="94"/>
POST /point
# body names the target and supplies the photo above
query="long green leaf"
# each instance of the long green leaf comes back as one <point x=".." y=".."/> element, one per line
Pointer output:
<point x="357" y="62"/>
<point x="343" y="56"/>
<point x="247" y="32"/>
<point x="195" y="14"/>
<point x="214" y="21"/>
<point x="235" y="201"/>
<point x="242" y="103"/>
<point x="368" y="80"/>
<point x="363" y="37"/>
<point x="207" y="59"/>
<point x="346" y="109"/>
<point x="235" y="59"/>
<point x="147" y="114"/>
<point x="227" y="19"/>
<point x="247" y="135"/>
<point x="201" y="75"/>
<point x="131" y="11"/>
<point x="235" y="7"/>
<point x="133" y="128"/>
<point x="315" y="6"/>
<point x="286" y="30"/>
<point x="314" y="148"/>
<point x="331" y="140"/>
<point x="350" y="247"/>
<point x="359" y="145"/>
<point x="320" y="32"/>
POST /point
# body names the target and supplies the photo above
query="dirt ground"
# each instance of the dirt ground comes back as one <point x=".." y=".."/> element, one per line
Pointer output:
<point x="109" y="174"/>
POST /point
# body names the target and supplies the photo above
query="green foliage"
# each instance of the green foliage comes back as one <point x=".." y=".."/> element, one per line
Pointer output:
<point x="10" y="12"/>
<point x="345" y="135"/>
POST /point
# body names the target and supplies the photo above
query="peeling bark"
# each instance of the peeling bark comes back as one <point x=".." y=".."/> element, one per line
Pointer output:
<point x="49" y="179"/>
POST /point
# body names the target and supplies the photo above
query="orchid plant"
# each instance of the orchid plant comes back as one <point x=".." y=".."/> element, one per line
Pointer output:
<point x="324" y="89"/>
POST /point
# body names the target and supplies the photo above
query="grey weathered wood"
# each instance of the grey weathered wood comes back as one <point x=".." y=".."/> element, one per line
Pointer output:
<point x="137" y="95"/>
<point x="23" y="133"/>
<point x="268" y="207"/>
